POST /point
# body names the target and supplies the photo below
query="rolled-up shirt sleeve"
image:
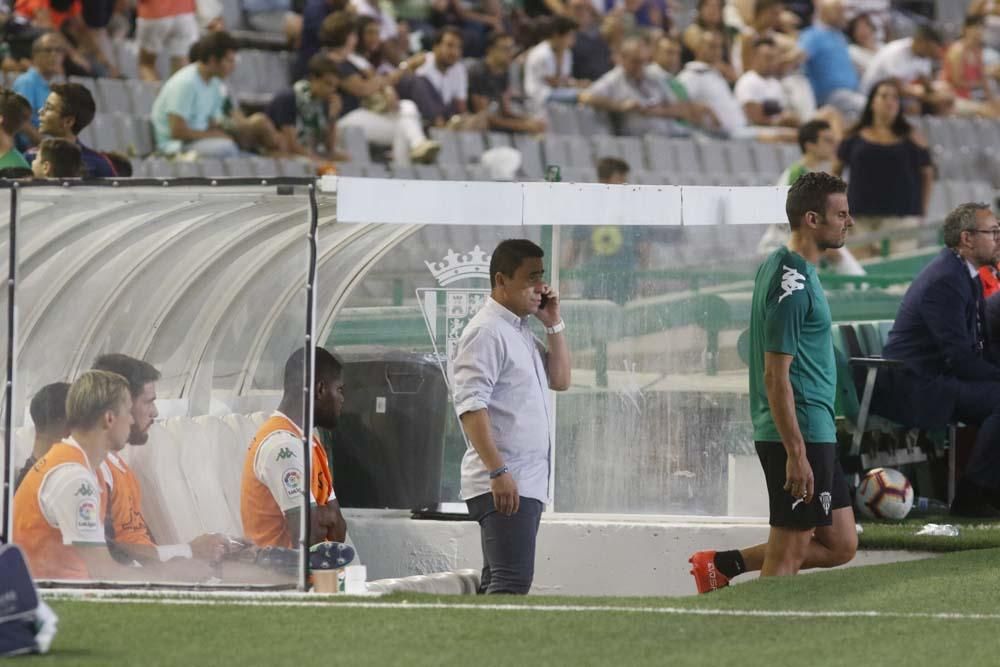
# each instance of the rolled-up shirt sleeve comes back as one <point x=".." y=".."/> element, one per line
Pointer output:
<point x="476" y="368"/>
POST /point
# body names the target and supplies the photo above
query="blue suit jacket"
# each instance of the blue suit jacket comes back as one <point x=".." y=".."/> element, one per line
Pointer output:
<point x="935" y="336"/>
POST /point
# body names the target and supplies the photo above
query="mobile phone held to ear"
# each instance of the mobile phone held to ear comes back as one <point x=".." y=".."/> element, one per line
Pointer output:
<point x="544" y="302"/>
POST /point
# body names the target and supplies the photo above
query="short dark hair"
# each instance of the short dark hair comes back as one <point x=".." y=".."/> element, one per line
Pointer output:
<point x="509" y="255"/>
<point x="928" y="33"/>
<point x="809" y="132"/>
<point x="609" y="166"/>
<point x="136" y="371"/>
<point x="194" y="51"/>
<point x="762" y="6"/>
<point x="64" y="156"/>
<point x="973" y="20"/>
<point x="78" y="102"/>
<point x="14" y="173"/>
<point x="14" y="109"/>
<point x="328" y="367"/>
<point x="215" y="46"/>
<point x="494" y="39"/>
<point x="810" y="193"/>
<point x="562" y="25"/>
<point x="319" y="66"/>
<point x="336" y="29"/>
<point x="445" y="31"/>
<point x="48" y="406"/>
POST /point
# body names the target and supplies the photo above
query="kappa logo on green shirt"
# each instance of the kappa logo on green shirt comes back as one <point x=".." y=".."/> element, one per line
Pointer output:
<point x="285" y="453"/>
<point x="791" y="281"/>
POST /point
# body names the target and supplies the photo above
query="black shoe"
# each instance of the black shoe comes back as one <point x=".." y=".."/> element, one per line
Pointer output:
<point x="973" y="502"/>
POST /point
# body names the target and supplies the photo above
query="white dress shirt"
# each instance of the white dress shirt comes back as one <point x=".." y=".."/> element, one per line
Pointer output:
<point x="501" y="366"/>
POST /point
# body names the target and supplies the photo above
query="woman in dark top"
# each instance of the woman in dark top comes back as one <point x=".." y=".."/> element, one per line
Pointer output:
<point x="890" y="171"/>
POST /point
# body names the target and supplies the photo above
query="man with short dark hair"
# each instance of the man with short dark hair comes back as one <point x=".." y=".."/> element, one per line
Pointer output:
<point x="548" y="67"/>
<point x="306" y="115"/>
<point x="189" y="107"/>
<point x="69" y="109"/>
<point x="48" y="414"/>
<point x="14" y="113"/>
<point x="490" y="91"/>
<point x="950" y="373"/>
<point x="272" y="483"/>
<point x="441" y="87"/>
<point x="759" y="90"/>
<point x="57" y="158"/>
<point x="502" y="377"/>
<point x="812" y="522"/>
<point x="910" y="61"/>
<point x="128" y="534"/>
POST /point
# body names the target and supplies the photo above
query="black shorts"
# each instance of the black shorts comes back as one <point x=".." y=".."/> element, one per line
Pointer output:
<point x="830" y="490"/>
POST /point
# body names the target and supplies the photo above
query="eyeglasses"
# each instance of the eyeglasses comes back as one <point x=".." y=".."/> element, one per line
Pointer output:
<point x="995" y="232"/>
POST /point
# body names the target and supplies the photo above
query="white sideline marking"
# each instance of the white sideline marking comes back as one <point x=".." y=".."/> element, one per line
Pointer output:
<point x="115" y="597"/>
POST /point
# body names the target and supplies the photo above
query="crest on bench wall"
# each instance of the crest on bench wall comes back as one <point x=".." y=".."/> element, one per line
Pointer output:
<point x="463" y="285"/>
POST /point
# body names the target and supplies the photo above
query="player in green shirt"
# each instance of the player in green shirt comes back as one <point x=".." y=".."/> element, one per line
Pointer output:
<point x="14" y="111"/>
<point x="793" y="380"/>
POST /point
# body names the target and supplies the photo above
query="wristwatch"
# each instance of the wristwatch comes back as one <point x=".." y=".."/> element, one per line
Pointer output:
<point x="499" y="471"/>
<point x="559" y="326"/>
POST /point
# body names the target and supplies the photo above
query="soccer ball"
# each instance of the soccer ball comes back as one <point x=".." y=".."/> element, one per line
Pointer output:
<point x="884" y="493"/>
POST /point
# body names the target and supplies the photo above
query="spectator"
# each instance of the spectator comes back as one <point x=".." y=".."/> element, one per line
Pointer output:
<point x="14" y="113"/>
<point x="630" y="91"/>
<point x="272" y="16"/>
<point x="910" y="62"/>
<point x="767" y="23"/>
<point x="664" y="68"/>
<point x="548" y="66"/>
<point x="964" y="69"/>
<point x="188" y="110"/>
<point x="67" y="112"/>
<point x="706" y="84"/>
<point x="610" y="255"/>
<point x="949" y="372"/>
<point x="167" y="27"/>
<point x="474" y="26"/>
<point x="591" y="51"/>
<point x="307" y="114"/>
<point x="990" y="11"/>
<point x="828" y="64"/>
<point x="48" y="414"/>
<point x="643" y="14"/>
<point x="57" y="158"/>
<point x="369" y="100"/>
<point x="863" y="42"/>
<point x="370" y="45"/>
<point x="760" y="92"/>
<point x="314" y="15"/>
<point x="489" y="89"/>
<point x="66" y="16"/>
<point x="441" y="88"/>
<point x="890" y="170"/>
<point x="709" y="17"/>
<point x="879" y="13"/>
<point x="47" y="55"/>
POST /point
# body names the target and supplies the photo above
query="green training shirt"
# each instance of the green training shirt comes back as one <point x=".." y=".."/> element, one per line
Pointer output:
<point x="790" y="315"/>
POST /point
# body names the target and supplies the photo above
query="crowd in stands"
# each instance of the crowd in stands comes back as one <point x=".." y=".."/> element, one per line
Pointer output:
<point x="751" y="69"/>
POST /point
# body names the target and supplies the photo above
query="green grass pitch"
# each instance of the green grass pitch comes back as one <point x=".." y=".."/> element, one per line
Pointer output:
<point x="896" y="632"/>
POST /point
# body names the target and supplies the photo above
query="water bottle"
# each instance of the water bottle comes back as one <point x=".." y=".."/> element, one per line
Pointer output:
<point x="924" y="506"/>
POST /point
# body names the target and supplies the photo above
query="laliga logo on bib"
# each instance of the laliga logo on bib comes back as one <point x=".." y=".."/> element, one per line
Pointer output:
<point x="86" y="514"/>
<point x="292" y="480"/>
<point x="447" y="309"/>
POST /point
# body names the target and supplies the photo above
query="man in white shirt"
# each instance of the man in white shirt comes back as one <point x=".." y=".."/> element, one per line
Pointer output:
<point x="549" y="65"/>
<point x="760" y="92"/>
<point x="911" y="62"/>
<point x="705" y="84"/>
<point x="441" y="87"/>
<point x="502" y="377"/>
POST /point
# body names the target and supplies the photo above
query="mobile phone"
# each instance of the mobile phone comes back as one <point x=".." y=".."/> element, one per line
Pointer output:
<point x="544" y="302"/>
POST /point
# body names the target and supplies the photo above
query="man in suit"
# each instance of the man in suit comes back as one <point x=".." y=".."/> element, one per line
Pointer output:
<point x="948" y="372"/>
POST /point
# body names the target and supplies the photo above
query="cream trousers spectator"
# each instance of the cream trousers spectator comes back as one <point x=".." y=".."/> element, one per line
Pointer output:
<point x="171" y="35"/>
<point x="402" y="129"/>
<point x="871" y="226"/>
